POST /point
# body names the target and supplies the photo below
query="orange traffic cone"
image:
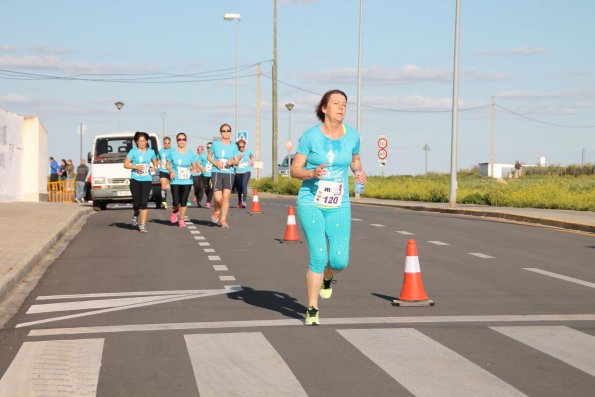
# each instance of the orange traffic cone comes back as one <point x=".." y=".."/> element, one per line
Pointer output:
<point x="255" y="208"/>
<point x="291" y="231"/>
<point x="412" y="293"/>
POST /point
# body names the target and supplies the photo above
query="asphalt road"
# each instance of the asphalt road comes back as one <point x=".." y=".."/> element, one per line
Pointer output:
<point x="211" y="311"/>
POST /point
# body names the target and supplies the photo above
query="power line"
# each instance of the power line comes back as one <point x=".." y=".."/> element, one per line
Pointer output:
<point x="544" y="122"/>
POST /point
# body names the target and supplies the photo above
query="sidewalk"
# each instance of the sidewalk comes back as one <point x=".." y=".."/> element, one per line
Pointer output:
<point x="30" y="230"/>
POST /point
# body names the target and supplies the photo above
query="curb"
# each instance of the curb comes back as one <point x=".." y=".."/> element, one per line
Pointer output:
<point x="8" y="281"/>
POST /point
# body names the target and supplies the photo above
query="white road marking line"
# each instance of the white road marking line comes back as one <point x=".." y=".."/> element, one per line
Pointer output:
<point x="116" y="294"/>
<point x="412" y="358"/>
<point x="561" y="277"/>
<point x="327" y="321"/>
<point x="227" y="278"/>
<point x="195" y="232"/>
<point x="240" y="364"/>
<point x="204" y="244"/>
<point x="573" y="347"/>
<point x="164" y="299"/>
<point x="214" y="257"/>
<point x="356" y="219"/>
<point x="405" y="232"/>
<point x="220" y="268"/>
<point x="209" y="249"/>
<point x="480" y="255"/>
<point x="54" y="368"/>
<point x="438" y="243"/>
<point x="191" y="227"/>
<point x="377" y="225"/>
<point x="199" y="238"/>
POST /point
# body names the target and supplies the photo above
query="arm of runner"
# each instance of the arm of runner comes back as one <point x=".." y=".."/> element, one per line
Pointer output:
<point x="299" y="171"/>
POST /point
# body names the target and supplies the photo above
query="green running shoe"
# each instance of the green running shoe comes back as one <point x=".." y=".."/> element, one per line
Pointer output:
<point x="326" y="290"/>
<point x="312" y="316"/>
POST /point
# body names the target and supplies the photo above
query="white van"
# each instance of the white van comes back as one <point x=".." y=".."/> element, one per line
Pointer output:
<point x="109" y="179"/>
<point x="284" y="167"/>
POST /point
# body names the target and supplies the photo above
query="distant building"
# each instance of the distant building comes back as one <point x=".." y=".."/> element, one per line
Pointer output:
<point x="500" y="170"/>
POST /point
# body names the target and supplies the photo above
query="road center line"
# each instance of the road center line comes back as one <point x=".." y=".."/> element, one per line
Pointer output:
<point x="405" y="232"/>
<point x="438" y="243"/>
<point x="561" y="277"/>
<point x="480" y="255"/>
<point x="327" y="321"/>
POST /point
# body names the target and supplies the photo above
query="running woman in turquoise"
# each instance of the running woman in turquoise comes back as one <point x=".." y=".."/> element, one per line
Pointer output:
<point x="180" y="162"/>
<point x="142" y="160"/>
<point x="163" y="172"/>
<point x="324" y="155"/>
<point x="242" y="173"/>
<point x="224" y="155"/>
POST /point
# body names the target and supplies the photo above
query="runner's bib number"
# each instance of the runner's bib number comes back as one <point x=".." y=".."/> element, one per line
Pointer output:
<point x="222" y="164"/>
<point x="329" y="194"/>
<point x="208" y="167"/>
<point x="143" y="171"/>
<point x="243" y="164"/>
<point x="183" y="173"/>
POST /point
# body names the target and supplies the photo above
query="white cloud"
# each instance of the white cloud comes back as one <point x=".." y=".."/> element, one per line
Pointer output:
<point x="7" y="48"/>
<point x="533" y="95"/>
<point x="512" y="51"/>
<point x="408" y="74"/>
<point x="54" y="63"/>
<point x="17" y="99"/>
<point x="41" y="48"/>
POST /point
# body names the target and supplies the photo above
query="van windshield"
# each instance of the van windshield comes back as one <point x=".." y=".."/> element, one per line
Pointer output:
<point x="115" y="149"/>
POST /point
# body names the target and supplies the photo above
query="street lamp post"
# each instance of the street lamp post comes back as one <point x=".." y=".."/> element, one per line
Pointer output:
<point x="236" y="17"/>
<point x="119" y="105"/>
<point x="426" y="149"/>
<point x="455" y="113"/>
<point x="289" y="144"/>
<point x="163" y="116"/>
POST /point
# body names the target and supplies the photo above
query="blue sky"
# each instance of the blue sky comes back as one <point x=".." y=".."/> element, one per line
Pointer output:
<point x="535" y="58"/>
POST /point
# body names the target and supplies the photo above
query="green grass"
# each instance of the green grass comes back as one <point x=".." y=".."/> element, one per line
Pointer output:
<point x="535" y="191"/>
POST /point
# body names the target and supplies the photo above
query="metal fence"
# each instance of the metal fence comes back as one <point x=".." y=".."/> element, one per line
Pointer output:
<point x="62" y="191"/>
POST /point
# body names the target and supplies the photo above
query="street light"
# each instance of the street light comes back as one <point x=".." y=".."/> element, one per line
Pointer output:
<point x="163" y="117"/>
<point x="289" y="145"/>
<point x="236" y="17"/>
<point x="119" y="105"/>
<point x="426" y="149"/>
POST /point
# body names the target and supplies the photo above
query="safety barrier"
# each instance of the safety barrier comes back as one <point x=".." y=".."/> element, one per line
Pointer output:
<point x="62" y="191"/>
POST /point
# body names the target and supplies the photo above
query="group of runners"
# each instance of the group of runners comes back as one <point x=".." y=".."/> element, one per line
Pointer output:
<point x="325" y="154"/>
<point x="211" y="173"/>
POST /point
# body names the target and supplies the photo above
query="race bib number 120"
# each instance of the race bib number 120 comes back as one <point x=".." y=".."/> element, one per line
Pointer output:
<point x="329" y="194"/>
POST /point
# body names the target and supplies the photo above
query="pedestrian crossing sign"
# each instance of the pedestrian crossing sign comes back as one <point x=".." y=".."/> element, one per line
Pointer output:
<point x="242" y="135"/>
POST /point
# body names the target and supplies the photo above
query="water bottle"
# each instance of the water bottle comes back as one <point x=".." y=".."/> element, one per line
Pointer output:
<point x="358" y="188"/>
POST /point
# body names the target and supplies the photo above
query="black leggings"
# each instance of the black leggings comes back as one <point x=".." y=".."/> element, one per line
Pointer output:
<point x="241" y="185"/>
<point x="179" y="194"/>
<point x="199" y="189"/>
<point x="140" y="194"/>
<point x="206" y="182"/>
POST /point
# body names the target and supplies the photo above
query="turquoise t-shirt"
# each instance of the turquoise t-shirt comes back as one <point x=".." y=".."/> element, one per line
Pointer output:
<point x="205" y="164"/>
<point x="163" y="159"/>
<point x="181" y="163"/>
<point x="139" y="157"/>
<point x="222" y="151"/>
<point x="337" y="154"/>
<point x="244" y="165"/>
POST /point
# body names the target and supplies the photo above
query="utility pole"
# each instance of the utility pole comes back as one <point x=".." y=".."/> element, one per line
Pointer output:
<point x="258" y="73"/>
<point x="455" y="114"/>
<point x="81" y="140"/>
<point x="275" y="104"/>
<point x="492" y="141"/>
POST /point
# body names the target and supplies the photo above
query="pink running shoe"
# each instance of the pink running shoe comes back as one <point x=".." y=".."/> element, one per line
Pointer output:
<point x="173" y="218"/>
<point x="208" y="206"/>
<point x="181" y="223"/>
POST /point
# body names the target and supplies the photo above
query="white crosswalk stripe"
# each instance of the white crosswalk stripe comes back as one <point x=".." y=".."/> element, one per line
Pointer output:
<point x="240" y="364"/>
<point x="247" y="363"/>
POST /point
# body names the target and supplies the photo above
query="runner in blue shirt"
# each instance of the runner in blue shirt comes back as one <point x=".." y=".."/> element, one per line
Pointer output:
<point x="324" y="155"/>
<point x="206" y="174"/>
<point x="224" y="155"/>
<point x="242" y="173"/>
<point x="163" y="172"/>
<point x="180" y="162"/>
<point x="199" y="189"/>
<point x="142" y="160"/>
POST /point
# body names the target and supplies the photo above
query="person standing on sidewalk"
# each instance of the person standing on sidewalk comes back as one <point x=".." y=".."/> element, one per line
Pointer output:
<point x="324" y="155"/>
<point x="81" y="179"/>
<point x="142" y="160"/>
<point x="54" y="170"/>
<point x="180" y="162"/>
<point x="224" y="155"/>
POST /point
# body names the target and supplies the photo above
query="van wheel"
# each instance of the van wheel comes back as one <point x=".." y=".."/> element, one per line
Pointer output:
<point x="102" y="205"/>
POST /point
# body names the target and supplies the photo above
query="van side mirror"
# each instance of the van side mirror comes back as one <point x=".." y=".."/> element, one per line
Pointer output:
<point x="89" y="157"/>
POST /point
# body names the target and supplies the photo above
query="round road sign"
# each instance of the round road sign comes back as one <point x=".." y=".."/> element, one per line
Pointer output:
<point x="382" y="142"/>
<point x="382" y="154"/>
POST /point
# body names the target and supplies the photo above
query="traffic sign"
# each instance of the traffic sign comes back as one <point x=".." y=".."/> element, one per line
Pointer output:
<point x="382" y="154"/>
<point x="382" y="141"/>
<point x="242" y="135"/>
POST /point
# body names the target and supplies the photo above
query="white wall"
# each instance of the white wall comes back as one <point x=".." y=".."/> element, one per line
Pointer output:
<point x="11" y="151"/>
<point x="23" y="158"/>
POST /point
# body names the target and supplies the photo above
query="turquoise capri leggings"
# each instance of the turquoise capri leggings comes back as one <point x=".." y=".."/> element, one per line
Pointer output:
<point x="322" y="224"/>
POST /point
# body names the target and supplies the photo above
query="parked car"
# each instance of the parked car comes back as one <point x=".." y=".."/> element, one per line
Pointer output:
<point x="285" y="164"/>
